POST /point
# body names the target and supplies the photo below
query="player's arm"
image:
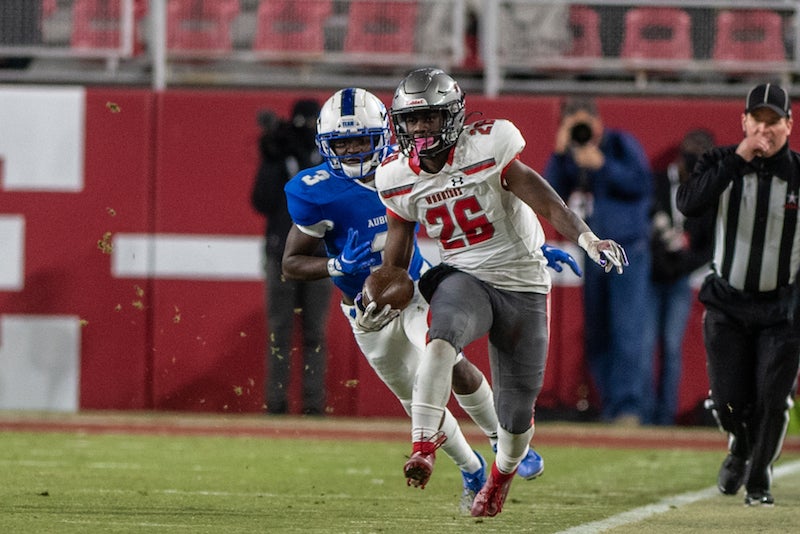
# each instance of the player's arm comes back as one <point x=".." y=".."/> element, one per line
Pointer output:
<point x="299" y="261"/>
<point x="399" y="241"/>
<point x="533" y="190"/>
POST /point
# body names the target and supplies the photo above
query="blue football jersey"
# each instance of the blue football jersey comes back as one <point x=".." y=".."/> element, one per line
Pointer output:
<point x="318" y="200"/>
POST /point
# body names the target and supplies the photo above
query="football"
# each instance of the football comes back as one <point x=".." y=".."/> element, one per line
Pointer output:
<point x="389" y="285"/>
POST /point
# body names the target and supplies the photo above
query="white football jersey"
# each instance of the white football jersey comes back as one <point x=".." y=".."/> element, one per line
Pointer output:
<point x="481" y="228"/>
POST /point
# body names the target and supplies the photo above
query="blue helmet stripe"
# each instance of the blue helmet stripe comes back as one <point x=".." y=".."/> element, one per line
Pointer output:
<point x="348" y="102"/>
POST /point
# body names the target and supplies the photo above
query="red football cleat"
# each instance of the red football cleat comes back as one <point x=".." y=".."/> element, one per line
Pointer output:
<point x="489" y="502"/>
<point x="419" y="466"/>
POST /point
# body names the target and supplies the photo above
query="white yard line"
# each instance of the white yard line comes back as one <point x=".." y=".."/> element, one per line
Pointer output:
<point x="669" y="503"/>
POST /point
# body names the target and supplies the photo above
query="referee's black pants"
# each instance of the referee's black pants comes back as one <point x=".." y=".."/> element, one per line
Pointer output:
<point x="752" y="371"/>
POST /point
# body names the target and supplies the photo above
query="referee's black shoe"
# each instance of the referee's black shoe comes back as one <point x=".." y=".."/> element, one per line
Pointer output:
<point x="759" y="498"/>
<point x="731" y="474"/>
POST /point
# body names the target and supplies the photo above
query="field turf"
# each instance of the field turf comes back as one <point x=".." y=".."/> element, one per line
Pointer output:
<point x="115" y="472"/>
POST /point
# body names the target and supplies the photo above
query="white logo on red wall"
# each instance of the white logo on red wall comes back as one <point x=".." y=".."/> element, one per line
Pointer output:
<point x="41" y="151"/>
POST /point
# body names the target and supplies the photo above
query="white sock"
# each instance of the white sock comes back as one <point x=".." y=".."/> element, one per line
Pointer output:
<point x="479" y="405"/>
<point x="511" y="449"/>
<point x="457" y="447"/>
<point x="432" y="387"/>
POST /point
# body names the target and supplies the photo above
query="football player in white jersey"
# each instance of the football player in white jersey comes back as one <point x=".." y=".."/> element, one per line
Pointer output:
<point x="336" y="202"/>
<point x="480" y="203"/>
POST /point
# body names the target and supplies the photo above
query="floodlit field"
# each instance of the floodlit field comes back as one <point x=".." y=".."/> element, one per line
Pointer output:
<point x="173" y="473"/>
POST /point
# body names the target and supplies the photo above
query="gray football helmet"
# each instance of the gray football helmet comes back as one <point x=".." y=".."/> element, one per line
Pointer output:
<point x="428" y="89"/>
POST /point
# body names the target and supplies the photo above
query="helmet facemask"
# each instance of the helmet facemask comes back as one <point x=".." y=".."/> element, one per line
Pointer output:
<point x="353" y="166"/>
<point x="430" y="143"/>
<point x="425" y="90"/>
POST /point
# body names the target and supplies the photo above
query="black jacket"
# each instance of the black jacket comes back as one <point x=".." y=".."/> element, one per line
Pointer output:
<point x="671" y="261"/>
<point x="283" y="153"/>
<point x="755" y="207"/>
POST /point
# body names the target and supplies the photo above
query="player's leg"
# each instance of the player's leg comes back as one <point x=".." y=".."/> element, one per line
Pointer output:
<point x="394" y="358"/>
<point x="469" y="461"/>
<point x="474" y="395"/>
<point x="453" y="324"/>
<point x="517" y="355"/>
<point x="470" y="387"/>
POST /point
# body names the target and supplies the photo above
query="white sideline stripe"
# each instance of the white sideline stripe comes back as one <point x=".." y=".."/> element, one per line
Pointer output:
<point x="668" y="503"/>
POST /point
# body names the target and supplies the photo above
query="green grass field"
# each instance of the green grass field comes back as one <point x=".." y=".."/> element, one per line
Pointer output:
<point x="89" y="481"/>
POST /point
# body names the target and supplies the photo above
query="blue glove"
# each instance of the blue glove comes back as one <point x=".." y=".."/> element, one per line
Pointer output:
<point x="555" y="255"/>
<point x="355" y="257"/>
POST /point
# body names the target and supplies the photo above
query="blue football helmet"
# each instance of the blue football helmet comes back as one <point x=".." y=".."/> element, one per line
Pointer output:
<point x="350" y="113"/>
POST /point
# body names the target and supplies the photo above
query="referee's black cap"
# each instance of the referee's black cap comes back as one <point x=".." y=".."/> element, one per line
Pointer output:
<point x="769" y="95"/>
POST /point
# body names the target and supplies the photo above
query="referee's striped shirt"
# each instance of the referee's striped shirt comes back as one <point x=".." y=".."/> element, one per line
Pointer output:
<point x="756" y="234"/>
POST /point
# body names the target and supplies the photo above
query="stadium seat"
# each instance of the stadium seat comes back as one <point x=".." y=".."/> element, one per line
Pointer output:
<point x="749" y="35"/>
<point x="291" y="25"/>
<point x="657" y="33"/>
<point x="584" y="23"/>
<point x="96" y="24"/>
<point x="382" y="27"/>
<point x="49" y="7"/>
<point x="200" y="25"/>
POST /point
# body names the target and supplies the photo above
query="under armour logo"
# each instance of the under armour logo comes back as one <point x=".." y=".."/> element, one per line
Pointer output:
<point x="457" y="181"/>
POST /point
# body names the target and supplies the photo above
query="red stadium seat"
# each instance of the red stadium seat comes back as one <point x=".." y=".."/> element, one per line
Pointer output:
<point x="657" y="33"/>
<point x="585" y="25"/>
<point x="96" y="24"/>
<point x="383" y="27"/>
<point x="200" y="25"/>
<point x="49" y="7"/>
<point x="749" y="35"/>
<point x="292" y="25"/>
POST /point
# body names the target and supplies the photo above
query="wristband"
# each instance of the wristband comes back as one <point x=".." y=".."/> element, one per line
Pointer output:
<point x="586" y="239"/>
<point x="332" y="270"/>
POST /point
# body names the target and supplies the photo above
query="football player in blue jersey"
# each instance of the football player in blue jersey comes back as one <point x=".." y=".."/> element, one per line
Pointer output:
<point x="336" y="202"/>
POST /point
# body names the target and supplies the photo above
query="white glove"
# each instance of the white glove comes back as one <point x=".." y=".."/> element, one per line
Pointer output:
<point x="370" y="321"/>
<point x="605" y="252"/>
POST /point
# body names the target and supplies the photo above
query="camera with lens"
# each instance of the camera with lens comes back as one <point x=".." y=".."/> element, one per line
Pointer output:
<point x="581" y="133"/>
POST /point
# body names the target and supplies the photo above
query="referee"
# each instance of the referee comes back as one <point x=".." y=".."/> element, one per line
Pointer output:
<point x="751" y="330"/>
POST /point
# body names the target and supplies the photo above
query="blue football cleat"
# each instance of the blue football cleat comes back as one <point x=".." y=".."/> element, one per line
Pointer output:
<point x="473" y="482"/>
<point x="531" y="466"/>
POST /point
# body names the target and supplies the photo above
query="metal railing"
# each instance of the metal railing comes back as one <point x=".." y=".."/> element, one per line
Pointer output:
<point x="520" y="46"/>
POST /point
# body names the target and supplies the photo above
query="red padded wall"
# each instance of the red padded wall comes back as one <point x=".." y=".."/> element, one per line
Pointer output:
<point x="182" y="162"/>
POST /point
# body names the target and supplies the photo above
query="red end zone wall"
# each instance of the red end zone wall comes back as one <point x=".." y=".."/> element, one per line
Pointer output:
<point x="169" y="175"/>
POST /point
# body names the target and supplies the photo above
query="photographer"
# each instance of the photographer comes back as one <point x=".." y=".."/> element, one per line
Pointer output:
<point x="287" y="147"/>
<point x="605" y="176"/>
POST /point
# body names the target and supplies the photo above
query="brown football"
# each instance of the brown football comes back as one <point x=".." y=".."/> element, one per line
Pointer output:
<point x="389" y="285"/>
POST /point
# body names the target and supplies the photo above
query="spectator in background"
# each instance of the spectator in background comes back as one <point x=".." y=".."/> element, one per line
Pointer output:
<point x="533" y="29"/>
<point x="751" y="326"/>
<point x="605" y="176"/>
<point x="529" y="29"/>
<point x="286" y="148"/>
<point x="679" y="245"/>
